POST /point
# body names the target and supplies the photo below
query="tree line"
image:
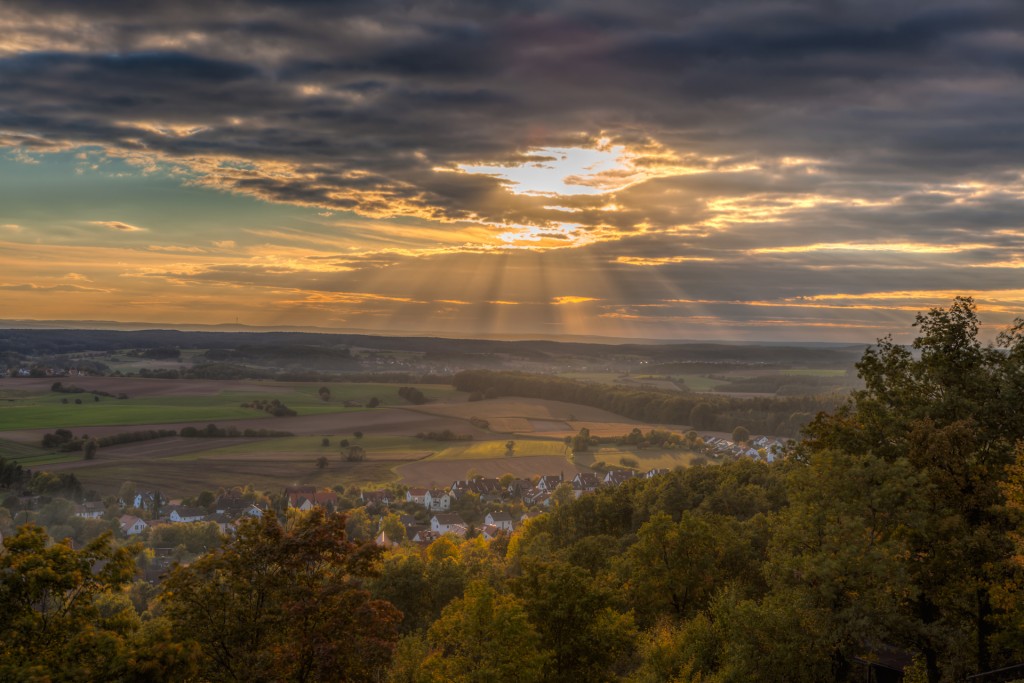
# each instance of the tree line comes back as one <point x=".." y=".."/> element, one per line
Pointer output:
<point x="778" y="416"/>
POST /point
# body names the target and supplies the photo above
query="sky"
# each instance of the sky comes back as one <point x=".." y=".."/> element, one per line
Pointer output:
<point x="745" y="170"/>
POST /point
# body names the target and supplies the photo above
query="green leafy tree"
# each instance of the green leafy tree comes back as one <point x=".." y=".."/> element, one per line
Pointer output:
<point x="675" y="567"/>
<point x="589" y="639"/>
<point x="484" y="637"/>
<point x="391" y="524"/>
<point x="581" y="442"/>
<point x="740" y="435"/>
<point x="281" y="603"/>
<point x="952" y="409"/>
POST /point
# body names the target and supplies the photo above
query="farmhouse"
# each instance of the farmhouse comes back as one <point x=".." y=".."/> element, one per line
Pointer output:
<point x="131" y="525"/>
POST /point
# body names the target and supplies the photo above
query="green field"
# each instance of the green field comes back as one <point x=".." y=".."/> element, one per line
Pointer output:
<point x="312" y="445"/>
<point x="45" y="410"/>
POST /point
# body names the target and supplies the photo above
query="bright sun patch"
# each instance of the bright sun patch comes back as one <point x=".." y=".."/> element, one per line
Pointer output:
<point x="565" y="171"/>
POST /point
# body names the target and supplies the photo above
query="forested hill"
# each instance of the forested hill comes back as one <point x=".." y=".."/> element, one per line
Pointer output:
<point x="32" y="342"/>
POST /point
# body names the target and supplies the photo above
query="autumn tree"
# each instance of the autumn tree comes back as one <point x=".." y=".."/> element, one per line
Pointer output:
<point x="484" y="637"/>
<point x="51" y="627"/>
<point x="951" y="407"/>
<point x="284" y="603"/>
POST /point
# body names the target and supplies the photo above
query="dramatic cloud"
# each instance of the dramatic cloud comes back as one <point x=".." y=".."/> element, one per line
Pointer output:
<point x="651" y="168"/>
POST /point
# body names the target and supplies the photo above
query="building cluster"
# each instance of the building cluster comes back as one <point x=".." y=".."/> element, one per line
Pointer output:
<point x="757" y="447"/>
<point x="228" y="509"/>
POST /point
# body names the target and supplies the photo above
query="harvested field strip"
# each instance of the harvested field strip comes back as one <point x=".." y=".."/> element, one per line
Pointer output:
<point x="432" y="472"/>
<point x="531" y="409"/>
<point x="311" y="446"/>
<point x="188" y="478"/>
<point x="31" y="457"/>
<point x="648" y="459"/>
<point x="496" y="449"/>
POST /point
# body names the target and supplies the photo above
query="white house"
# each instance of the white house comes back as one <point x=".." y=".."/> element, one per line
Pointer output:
<point x="437" y="499"/>
<point x="132" y="525"/>
<point x="184" y="514"/>
<point x="501" y="520"/>
<point x="92" y="509"/>
<point x="549" y="482"/>
<point x="415" y="495"/>
<point x="447" y="523"/>
<point x="616" y="477"/>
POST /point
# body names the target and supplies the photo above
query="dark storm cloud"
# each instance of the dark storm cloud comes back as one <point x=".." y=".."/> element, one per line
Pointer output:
<point x="802" y="123"/>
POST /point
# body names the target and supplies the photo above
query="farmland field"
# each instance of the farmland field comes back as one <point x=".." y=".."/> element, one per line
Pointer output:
<point x="181" y="466"/>
<point x="29" y="403"/>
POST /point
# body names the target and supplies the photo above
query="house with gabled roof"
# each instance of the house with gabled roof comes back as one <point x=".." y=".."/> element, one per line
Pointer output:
<point x="585" y="482"/>
<point x="426" y="536"/>
<point x="378" y="498"/>
<point x="445" y="522"/>
<point x="180" y="514"/>
<point x="90" y="509"/>
<point x="499" y="519"/>
<point x="415" y="495"/>
<point x="651" y="474"/>
<point x="131" y="525"/>
<point x="437" y="499"/>
<point x="616" y="477"/>
<point x="549" y="482"/>
<point x="305" y="498"/>
<point x="491" y="532"/>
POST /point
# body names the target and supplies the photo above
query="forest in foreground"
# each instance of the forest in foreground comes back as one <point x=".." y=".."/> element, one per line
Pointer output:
<point x="891" y="532"/>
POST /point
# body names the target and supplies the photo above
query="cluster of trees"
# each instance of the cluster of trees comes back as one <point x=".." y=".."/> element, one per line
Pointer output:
<point x="61" y="388"/>
<point x="274" y="406"/>
<point x="444" y="435"/>
<point x="18" y="480"/>
<point x="65" y="440"/>
<point x="280" y="602"/>
<point x="894" y="525"/>
<point x="213" y="431"/>
<point x="413" y="395"/>
<point x="785" y="385"/>
<point x="776" y="415"/>
<point x="657" y="438"/>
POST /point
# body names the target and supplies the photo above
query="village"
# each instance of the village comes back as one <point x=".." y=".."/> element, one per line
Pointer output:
<point x="485" y="507"/>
